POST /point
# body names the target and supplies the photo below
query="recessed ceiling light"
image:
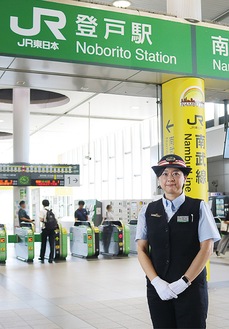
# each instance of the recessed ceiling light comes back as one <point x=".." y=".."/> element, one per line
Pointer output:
<point x="1" y="121"/>
<point x="121" y="3"/>
<point x="84" y="88"/>
<point x="20" y="83"/>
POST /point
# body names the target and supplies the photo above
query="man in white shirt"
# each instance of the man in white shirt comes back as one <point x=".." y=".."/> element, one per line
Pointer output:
<point x="46" y="233"/>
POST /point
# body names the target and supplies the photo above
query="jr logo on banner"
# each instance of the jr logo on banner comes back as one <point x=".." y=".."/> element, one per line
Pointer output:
<point x="54" y="26"/>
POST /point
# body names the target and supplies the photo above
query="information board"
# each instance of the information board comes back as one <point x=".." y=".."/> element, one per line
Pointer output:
<point x="21" y="174"/>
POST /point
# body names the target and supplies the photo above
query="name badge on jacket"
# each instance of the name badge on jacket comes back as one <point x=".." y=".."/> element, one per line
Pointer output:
<point x="182" y="219"/>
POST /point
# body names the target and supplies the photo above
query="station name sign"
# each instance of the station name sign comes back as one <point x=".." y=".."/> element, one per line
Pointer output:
<point x="72" y="33"/>
<point x="90" y="35"/>
<point x="20" y="174"/>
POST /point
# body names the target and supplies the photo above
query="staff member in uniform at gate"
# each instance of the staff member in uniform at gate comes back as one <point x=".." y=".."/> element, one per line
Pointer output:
<point x="22" y="214"/>
<point x="180" y="232"/>
<point x="81" y="213"/>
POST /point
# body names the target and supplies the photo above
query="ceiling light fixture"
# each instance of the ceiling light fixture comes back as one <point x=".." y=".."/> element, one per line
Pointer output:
<point x="121" y="3"/>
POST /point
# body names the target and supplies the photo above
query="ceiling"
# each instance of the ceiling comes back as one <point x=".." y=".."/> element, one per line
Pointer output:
<point x="211" y="10"/>
<point x="117" y="97"/>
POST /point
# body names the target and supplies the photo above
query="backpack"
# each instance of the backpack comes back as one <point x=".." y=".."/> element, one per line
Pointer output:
<point x="51" y="222"/>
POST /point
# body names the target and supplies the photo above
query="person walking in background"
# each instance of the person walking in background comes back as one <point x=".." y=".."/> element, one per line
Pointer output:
<point x="223" y="244"/>
<point x="22" y="214"/>
<point x="175" y="237"/>
<point x="81" y="213"/>
<point x="49" y="224"/>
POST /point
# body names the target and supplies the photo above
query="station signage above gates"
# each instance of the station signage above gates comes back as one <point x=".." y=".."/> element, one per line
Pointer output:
<point x="90" y="35"/>
<point x="19" y="174"/>
<point x="213" y="59"/>
<point x="72" y="33"/>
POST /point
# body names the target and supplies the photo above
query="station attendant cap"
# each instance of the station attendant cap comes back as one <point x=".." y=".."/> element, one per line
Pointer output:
<point x="171" y="161"/>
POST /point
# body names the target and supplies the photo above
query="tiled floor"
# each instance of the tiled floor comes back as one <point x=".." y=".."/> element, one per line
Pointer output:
<point x="103" y="294"/>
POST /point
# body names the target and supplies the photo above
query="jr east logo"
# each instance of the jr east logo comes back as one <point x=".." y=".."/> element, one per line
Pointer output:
<point x="54" y="27"/>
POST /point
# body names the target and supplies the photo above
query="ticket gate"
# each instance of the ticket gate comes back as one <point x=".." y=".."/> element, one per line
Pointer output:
<point x="24" y="246"/>
<point x="3" y="244"/>
<point x="84" y="240"/>
<point x="114" y="238"/>
<point x="133" y="229"/>
<point x="61" y="244"/>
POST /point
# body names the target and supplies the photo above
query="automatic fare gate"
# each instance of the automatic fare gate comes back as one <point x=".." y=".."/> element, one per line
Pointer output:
<point x="133" y="230"/>
<point x="84" y="239"/>
<point x="3" y="244"/>
<point x="114" y="238"/>
<point x="61" y="244"/>
<point x="24" y="242"/>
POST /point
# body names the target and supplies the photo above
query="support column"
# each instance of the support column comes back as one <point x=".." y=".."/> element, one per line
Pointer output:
<point x="184" y="130"/>
<point x="21" y="115"/>
<point x="187" y="9"/>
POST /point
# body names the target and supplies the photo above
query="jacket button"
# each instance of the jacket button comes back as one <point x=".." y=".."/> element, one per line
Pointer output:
<point x="166" y="230"/>
<point x="167" y="262"/>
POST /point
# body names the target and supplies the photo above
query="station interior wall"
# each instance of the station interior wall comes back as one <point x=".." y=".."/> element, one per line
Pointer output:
<point x="120" y="168"/>
<point x="120" y="164"/>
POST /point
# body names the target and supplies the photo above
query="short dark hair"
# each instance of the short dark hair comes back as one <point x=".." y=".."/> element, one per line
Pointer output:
<point x="45" y="203"/>
<point x="21" y="203"/>
<point x="108" y="206"/>
<point x="81" y="202"/>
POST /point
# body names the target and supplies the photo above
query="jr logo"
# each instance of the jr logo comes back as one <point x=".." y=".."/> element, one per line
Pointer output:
<point x="54" y="26"/>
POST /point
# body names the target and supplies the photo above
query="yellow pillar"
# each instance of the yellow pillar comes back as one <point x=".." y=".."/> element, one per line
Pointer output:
<point x="184" y="131"/>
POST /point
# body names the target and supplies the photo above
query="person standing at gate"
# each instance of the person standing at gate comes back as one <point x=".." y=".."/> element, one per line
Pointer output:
<point x="81" y="213"/>
<point x="22" y="214"/>
<point x="49" y="224"/>
<point x="175" y="237"/>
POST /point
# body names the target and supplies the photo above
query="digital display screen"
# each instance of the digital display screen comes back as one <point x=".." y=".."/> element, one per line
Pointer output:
<point x="6" y="182"/>
<point x="47" y="182"/>
<point x="39" y="175"/>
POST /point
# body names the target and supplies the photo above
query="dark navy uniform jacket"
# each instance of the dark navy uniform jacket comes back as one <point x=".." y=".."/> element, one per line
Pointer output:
<point x="173" y="244"/>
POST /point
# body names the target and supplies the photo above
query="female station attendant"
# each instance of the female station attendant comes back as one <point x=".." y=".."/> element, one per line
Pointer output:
<point x="180" y="232"/>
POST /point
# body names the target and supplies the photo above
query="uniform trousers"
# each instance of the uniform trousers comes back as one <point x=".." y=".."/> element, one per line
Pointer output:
<point x="44" y="235"/>
<point x="189" y="310"/>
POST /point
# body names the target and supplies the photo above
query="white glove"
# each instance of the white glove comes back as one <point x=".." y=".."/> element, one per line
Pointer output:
<point x="163" y="289"/>
<point x="178" y="286"/>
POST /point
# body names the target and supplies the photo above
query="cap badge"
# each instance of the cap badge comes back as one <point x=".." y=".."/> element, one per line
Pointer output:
<point x="170" y="159"/>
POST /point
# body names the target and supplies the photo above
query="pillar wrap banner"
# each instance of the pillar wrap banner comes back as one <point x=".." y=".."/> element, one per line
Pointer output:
<point x="184" y="131"/>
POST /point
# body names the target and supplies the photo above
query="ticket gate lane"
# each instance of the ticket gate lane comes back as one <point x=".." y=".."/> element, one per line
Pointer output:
<point x="133" y="229"/>
<point x="24" y="242"/>
<point x="84" y="240"/>
<point x="60" y="244"/>
<point x="114" y="238"/>
<point x="3" y="244"/>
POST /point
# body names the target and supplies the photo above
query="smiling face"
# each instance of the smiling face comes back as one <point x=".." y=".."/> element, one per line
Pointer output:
<point x="171" y="182"/>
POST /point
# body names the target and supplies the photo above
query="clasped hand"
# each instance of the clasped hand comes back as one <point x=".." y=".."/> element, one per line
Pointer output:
<point x="163" y="289"/>
<point x="167" y="291"/>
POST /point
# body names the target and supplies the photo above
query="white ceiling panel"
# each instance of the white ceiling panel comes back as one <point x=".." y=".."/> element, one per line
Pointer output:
<point x="48" y="81"/>
<point x="71" y="69"/>
<point x="5" y="61"/>
<point x="118" y="106"/>
<point x="210" y="8"/>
